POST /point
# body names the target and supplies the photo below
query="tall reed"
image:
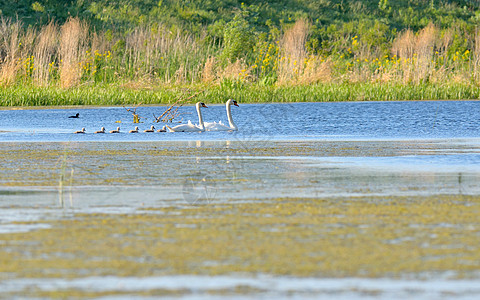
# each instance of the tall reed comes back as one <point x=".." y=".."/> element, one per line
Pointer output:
<point x="404" y="48"/>
<point x="209" y="70"/>
<point x="154" y="58"/>
<point x="73" y="36"/>
<point x="292" y="52"/>
<point x="44" y="54"/>
<point x="158" y="53"/>
<point x="424" y="48"/>
<point x="9" y="50"/>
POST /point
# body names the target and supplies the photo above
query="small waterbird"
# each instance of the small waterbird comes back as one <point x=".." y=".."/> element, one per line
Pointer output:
<point x="115" y="131"/>
<point x="75" y="116"/>
<point x="102" y="130"/>
<point x="152" y="129"/>
<point x="163" y="129"/>
<point x="134" y="130"/>
<point x="80" y="131"/>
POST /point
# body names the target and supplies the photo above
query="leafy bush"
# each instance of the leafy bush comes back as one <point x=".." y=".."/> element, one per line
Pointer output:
<point x="238" y="39"/>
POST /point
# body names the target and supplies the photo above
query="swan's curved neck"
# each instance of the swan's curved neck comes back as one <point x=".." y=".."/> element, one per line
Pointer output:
<point x="200" y="117"/>
<point x="229" y="116"/>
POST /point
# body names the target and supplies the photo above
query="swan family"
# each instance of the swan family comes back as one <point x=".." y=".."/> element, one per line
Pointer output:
<point x="189" y="127"/>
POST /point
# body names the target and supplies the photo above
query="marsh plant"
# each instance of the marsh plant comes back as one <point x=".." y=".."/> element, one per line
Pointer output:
<point x="65" y="178"/>
<point x="74" y="63"/>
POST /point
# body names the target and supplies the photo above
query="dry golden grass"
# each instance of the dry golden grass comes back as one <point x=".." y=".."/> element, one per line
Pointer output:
<point x="10" y="45"/>
<point x="235" y="71"/>
<point x="476" y="58"/>
<point x="404" y="48"/>
<point x="446" y="41"/>
<point x="73" y="36"/>
<point x="384" y="75"/>
<point x="147" y="48"/>
<point x="416" y="53"/>
<point x="209" y="70"/>
<point x="360" y="74"/>
<point x="316" y="70"/>
<point x="404" y="45"/>
<point x="8" y="72"/>
<point x="44" y="52"/>
<point x="180" y="75"/>
<point x="99" y="43"/>
<point x="293" y="52"/>
<point x="138" y="49"/>
<point x="459" y="77"/>
<point x="156" y="56"/>
<point x="426" y="40"/>
<point x="424" y="48"/>
<point x="28" y="39"/>
<point x="438" y="75"/>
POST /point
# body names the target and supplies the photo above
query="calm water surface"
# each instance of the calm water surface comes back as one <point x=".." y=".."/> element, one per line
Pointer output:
<point x="354" y="149"/>
<point x="359" y="148"/>
<point x="297" y="121"/>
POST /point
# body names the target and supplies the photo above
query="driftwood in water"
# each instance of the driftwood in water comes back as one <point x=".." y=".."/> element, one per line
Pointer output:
<point x="172" y="111"/>
<point x="136" y="117"/>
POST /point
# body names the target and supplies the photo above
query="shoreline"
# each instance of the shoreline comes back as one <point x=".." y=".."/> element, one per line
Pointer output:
<point x="27" y="96"/>
<point x="89" y="106"/>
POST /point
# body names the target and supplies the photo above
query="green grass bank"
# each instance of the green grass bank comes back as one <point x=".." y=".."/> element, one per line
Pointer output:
<point x="110" y="95"/>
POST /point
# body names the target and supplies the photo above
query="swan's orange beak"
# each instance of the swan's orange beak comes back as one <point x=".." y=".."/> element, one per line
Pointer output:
<point x="203" y="105"/>
<point x="235" y="103"/>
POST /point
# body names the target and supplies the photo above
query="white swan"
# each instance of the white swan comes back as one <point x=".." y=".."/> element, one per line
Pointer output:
<point x="214" y="126"/>
<point x="191" y="127"/>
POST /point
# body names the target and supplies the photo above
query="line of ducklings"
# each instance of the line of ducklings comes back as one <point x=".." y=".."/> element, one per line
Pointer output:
<point x="136" y="130"/>
<point x="189" y="127"/>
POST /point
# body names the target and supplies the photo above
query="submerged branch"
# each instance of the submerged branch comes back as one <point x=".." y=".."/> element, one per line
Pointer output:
<point x="136" y="117"/>
<point x="169" y="114"/>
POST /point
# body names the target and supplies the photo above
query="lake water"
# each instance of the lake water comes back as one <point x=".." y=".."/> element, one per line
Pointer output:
<point x="296" y="121"/>
<point x="367" y="151"/>
<point x="425" y="146"/>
